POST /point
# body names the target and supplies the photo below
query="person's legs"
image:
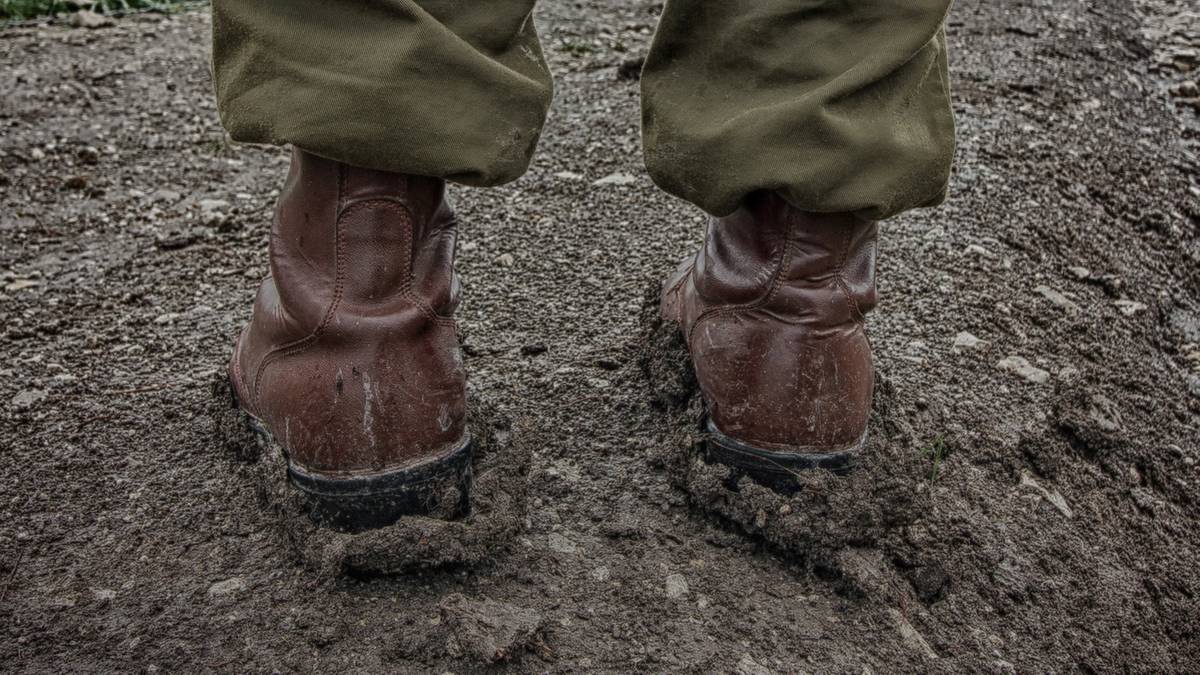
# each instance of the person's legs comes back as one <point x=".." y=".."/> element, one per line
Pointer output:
<point x="454" y="90"/>
<point x="796" y="125"/>
<point x="840" y="106"/>
<point x="351" y="360"/>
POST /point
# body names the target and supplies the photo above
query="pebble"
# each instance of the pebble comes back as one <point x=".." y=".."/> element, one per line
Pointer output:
<point x="533" y="349"/>
<point x="560" y="543"/>
<point x="1053" y="496"/>
<point x="1129" y="307"/>
<point x="600" y="574"/>
<point x="165" y="195"/>
<point x="1023" y="369"/>
<point x="76" y="182"/>
<point x="505" y="260"/>
<point x="20" y="284"/>
<point x="910" y="635"/>
<point x="212" y="205"/>
<point x="748" y="666"/>
<point x="85" y="18"/>
<point x="568" y="175"/>
<point x="28" y="398"/>
<point x="1056" y="298"/>
<point x="677" y="586"/>
<point x="170" y="317"/>
<point x="965" y="341"/>
<point x="616" y="179"/>
<point x="226" y="588"/>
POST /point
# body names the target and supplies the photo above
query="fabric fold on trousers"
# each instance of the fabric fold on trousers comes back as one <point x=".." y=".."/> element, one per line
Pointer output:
<point x="457" y="90"/>
<point x="840" y="106"/>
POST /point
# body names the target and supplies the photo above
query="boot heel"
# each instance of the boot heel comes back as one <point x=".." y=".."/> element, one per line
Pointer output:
<point x="438" y="488"/>
<point x="771" y="468"/>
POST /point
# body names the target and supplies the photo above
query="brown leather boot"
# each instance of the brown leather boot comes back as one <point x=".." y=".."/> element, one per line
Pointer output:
<point x="772" y="312"/>
<point x="351" y="360"/>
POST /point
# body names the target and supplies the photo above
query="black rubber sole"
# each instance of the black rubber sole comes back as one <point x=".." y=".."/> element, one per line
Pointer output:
<point x="439" y="487"/>
<point x="769" y="468"/>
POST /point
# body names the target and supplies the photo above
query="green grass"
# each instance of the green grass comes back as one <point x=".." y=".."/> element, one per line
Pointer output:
<point x="936" y="451"/>
<point x="16" y="10"/>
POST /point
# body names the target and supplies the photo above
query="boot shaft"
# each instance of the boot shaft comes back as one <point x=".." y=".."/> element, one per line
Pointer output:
<point x="365" y="235"/>
<point x="818" y="267"/>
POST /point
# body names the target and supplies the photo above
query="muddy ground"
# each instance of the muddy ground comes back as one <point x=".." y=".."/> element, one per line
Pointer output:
<point x="1030" y="501"/>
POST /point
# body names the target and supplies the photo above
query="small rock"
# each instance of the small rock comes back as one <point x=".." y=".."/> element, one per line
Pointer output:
<point x="1023" y="369"/>
<point x="76" y="183"/>
<point x="169" y="317"/>
<point x="929" y="581"/>
<point x="748" y="666"/>
<point x="36" y="154"/>
<point x="1056" y="298"/>
<point x="560" y="543"/>
<point x="175" y="240"/>
<point x="505" y="260"/>
<point x="231" y="586"/>
<point x="677" y="586"/>
<point x="165" y="195"/>
<point x="533" y="349"/>
<point x="28" y="398"/>
<point x="600" y="574"/>
<point x="213" y="205"/>
<point x="568" y="175"/>
<point x="20" y="284"/>
<point x="104" y="594"/>
<point x="616" y="179"/>
<point x="85" y="18"/>
<point x="1129" y="307"/>
<point x="1052" y="496"/>
<point x="1080" y="273"/>
<point x="910" y="635"/>
<point x="964" y="341"/>
<point x="89" y="155"/>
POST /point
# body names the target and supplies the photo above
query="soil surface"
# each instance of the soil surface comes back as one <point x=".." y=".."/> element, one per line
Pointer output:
<point x="1030" y="500"/>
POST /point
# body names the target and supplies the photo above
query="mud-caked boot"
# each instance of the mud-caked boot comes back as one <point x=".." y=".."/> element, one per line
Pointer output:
<point x="351" y="361"/>
<point x="771" y="309"/>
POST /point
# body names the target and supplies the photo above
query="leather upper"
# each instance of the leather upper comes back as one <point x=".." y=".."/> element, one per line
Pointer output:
<point x="351" y="359"/>
<point x="772" y="311"/>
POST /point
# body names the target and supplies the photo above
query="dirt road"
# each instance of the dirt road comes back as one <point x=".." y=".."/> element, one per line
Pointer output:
<point x="1030" y="500"/>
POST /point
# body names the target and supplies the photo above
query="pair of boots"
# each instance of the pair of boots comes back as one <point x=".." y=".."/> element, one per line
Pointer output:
<point x="351" y="360"/>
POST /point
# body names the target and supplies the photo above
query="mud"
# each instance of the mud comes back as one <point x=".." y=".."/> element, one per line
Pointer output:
<point x="498" y="500"/>
<point x="1027" y="502"/>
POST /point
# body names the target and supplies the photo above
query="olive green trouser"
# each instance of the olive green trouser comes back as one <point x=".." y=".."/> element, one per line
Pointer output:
<point x="841" y="105"/>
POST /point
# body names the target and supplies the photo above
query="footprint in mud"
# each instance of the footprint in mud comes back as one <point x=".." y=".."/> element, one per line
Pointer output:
<point x="498" y="501"/>
<point x="827" y="514"/>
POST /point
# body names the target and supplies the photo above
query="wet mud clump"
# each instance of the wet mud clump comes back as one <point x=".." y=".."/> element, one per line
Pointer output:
<point x="498" y="501"/>
<point x="822" y="513"/>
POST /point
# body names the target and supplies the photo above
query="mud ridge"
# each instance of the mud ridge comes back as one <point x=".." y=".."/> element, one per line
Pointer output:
<point x="499" y="497"/>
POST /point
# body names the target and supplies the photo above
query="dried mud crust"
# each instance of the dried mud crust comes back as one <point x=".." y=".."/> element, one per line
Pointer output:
<point x="886" y="490"/>
<point x="497" y="513"/>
